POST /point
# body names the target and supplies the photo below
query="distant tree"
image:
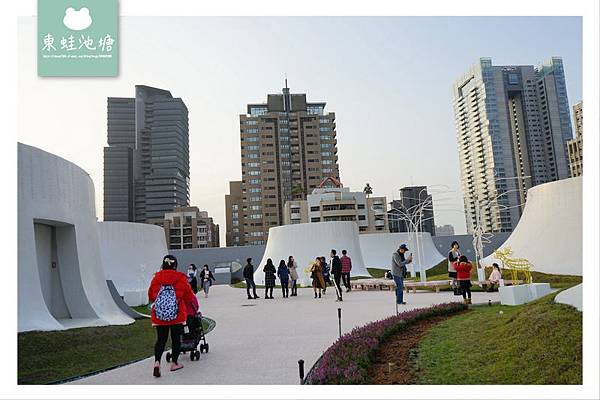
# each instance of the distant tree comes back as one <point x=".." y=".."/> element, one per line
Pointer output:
<point x="297" y="190"/>
<point x="368" y="190"/>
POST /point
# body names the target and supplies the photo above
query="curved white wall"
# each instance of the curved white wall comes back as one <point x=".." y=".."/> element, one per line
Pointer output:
<point x="131" y="253"/>
<point x="549" y="233"/>
<point x="572" y="297"/>
<point x="378" y="248"/>
<point x="61" y="282"/>
<point x="307" y="241"/>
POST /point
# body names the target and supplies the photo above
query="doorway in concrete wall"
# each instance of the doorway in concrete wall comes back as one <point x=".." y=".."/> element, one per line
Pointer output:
<point x="59" y="273"/>
<point x="49" y="270"/>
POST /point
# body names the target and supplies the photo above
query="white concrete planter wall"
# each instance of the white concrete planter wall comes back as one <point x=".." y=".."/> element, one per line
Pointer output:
<point x="61" y="283"/>
<point x="549" y="233"/>
<point x="307" y="241"/>
<point x="131" y="253"/>
<point x="377" y="249"/>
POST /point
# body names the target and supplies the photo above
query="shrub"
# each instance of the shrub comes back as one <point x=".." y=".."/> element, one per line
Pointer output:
<point x="347" y="360"/>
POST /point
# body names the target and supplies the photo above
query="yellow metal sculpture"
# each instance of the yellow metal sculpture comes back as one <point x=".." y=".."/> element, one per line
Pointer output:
<point x="514" y="265"/>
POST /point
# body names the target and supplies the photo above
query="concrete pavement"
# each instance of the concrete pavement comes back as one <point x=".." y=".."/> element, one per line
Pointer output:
<point x="260" y="341"/>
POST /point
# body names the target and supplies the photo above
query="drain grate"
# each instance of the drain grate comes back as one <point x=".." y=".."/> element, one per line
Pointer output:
<point x="248" y="305"/>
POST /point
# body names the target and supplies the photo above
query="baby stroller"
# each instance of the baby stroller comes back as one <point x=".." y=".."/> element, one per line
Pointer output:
<point x="192" y="336"/>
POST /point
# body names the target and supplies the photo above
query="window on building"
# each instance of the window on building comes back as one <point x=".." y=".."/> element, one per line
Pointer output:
<point x="255" y="111"/>
<point x="315" y="219"/>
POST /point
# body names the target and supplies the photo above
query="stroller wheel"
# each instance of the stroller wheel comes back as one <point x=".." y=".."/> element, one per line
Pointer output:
<point x="168" y="356"/>
<point x="192" y="355"/>
<point x="206" y="347"/>
<point x="197" y="355"/>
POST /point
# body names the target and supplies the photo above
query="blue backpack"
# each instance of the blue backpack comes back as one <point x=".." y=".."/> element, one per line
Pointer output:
<point x="165" y="306"/>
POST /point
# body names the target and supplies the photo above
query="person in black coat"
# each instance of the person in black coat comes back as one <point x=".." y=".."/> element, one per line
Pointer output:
<point x="270" y="271"/>
<point x="284" y="277"/>
<point x="326" y="273"/>
<point x="206" y="279"/>
<point x="192" y="273"/>
<point x="336" y="270"/>
<point x="249" y="277"/>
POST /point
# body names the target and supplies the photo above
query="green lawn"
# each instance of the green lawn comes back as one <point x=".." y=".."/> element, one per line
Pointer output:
<point x="536" y="343"/>
<point x="45" y="357"/>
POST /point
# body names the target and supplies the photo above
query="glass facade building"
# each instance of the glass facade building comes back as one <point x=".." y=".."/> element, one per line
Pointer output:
<point x="512" y="125"/>
<point x="146" y="162"/>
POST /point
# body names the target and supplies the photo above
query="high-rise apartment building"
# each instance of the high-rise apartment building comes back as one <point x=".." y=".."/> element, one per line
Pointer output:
<point x="415" y="205"/>
<point x="146" y="162"/>
<point x="234" y="234"/>
<point x="288" y="146"/>
<point x="575" y="145"/>
<point x="188" y="228"/>
<point x="512" y="126"/>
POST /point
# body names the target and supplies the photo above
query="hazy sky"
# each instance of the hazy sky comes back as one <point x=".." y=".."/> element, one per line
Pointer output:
<point x="388" y="79"/>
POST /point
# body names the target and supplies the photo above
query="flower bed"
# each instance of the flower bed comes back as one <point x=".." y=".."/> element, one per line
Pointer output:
<point x="347" y="360"/>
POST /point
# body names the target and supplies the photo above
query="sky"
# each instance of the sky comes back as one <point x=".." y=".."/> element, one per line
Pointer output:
<point x="388" y="79"/>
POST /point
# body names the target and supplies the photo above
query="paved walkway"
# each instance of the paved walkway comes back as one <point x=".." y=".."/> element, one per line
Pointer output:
<point x="260" y="341"/>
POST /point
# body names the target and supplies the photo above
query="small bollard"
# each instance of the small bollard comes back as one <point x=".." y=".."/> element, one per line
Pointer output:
<point x="390" y="365"/>
<point x="340" y="322"/>
<point x="301" y="370"/>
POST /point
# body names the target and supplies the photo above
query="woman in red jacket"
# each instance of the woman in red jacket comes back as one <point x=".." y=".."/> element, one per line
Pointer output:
<point x="463" y="276"/>
<point x="170" y="291"/>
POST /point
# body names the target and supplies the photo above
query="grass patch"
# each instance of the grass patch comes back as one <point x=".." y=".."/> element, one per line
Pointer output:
<point x="536" y="343"/>
<point x="438" y="273"/>
<point x="142" y="309"/>
<point x="376" y="272"/>
<point x="45" y="357"/>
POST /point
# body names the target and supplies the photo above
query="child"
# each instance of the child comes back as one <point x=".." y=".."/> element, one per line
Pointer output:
<point x="463" y="276"/>
<point x="191" y="307"/>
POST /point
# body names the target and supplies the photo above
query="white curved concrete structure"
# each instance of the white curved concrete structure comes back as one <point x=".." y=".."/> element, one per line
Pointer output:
<point x="61" y="283"/>
<point x="377" y="249"/>
<point x="131" y="253"/>
<point x="572" y="297"/>
<point x="549" y="233"/>
<point x="307" y="241"/>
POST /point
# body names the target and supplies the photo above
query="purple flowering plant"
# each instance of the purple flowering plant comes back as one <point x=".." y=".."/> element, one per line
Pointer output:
<point x="348" y="359"/>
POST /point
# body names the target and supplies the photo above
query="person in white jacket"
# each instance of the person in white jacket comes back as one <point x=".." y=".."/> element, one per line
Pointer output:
<point x="495" y="277"/>
<point x="293" y="268"/>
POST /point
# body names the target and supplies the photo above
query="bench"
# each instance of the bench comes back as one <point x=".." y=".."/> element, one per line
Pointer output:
<point x="413" y="285"/>
<point x="373" y="284"/>
<point x="388" y="284"/>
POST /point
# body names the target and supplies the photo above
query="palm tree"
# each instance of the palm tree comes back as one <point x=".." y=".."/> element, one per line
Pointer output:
<point x="368" y="190"/>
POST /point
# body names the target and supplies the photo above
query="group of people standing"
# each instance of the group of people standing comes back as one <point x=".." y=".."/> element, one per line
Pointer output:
<point x="321" y="271"/>
<point x="459" y="271"/>
<point x="287" y="273"/>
